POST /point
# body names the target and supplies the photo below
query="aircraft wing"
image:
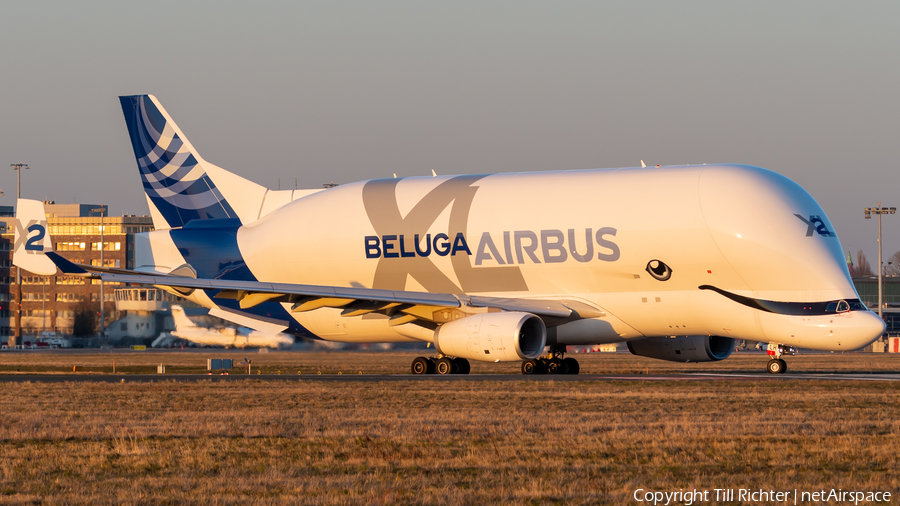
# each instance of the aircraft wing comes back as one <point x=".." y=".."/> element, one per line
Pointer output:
<point x="360" y="300"/>
<point x="402" y="306"/>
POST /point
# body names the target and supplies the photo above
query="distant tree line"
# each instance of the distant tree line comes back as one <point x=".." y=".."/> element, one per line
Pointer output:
<point x="862" y="268"/>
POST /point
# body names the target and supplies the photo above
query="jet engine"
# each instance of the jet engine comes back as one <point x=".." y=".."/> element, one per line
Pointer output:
<point x="683" y="348"/>
<point x="493" y="337"/>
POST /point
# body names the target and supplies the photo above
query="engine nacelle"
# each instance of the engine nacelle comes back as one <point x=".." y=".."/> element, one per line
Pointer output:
<point x="493" y="337"/>
<point x="683" y="348"/>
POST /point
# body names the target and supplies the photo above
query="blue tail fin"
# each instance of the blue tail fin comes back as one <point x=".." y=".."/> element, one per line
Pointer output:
<point x="181" y="186"/>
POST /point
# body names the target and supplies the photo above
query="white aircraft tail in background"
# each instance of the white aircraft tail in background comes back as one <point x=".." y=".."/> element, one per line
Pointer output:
<point x="182" y="322"/>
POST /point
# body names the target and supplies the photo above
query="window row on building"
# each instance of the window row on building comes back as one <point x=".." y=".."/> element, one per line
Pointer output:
<point x="140" y="295"/>
<point x="34" y="329"/>
<point x="69" y="297"/>
<point x="95" y="229"/>
<point x="65" y="297"/>
<point x="82" y="246"/>
<point x="36" y="313"/>
<point x="45" y="313"/>
<point x="65" y="280"/>
<point x="33" y="280"/>
<point x="107" y="262"/>
<point x="105" y="283"/>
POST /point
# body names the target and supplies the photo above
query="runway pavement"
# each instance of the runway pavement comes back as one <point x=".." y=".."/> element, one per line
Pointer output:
<point x="368" y="378"/>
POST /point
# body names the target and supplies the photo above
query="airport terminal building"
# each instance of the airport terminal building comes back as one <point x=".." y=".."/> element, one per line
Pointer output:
<point x="50" y="303"/>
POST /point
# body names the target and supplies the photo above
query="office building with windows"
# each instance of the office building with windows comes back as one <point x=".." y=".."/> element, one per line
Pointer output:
<point x="83" y="234"/>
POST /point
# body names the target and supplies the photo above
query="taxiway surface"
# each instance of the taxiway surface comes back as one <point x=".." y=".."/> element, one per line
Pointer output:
<point x="368" y="378"/>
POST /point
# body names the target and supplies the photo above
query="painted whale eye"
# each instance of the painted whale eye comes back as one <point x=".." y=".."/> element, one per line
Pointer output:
<point x="659" y="270"/>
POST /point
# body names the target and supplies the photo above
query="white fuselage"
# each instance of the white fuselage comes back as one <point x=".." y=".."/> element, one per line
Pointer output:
<point x="584" y="236"/>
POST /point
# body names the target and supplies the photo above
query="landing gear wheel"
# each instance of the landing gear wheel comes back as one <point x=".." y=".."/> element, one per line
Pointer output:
<point x="444" y="366"/>
<point x="531" y="367"/>
<point x="571" y="365"/>
<point x="462" y="366"/>
<point x="554" y="366"/>
<point x="776" y="366"/>
<point x="422" y="365"/>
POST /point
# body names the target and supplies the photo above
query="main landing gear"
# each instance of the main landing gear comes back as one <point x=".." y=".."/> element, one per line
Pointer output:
<point x="775" y="350"/>
<point x="553" y="363"/>
<point x="440" y="365"/>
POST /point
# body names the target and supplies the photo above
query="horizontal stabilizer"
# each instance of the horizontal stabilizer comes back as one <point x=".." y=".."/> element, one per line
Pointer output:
<point x="64" y="265"/>
<point x="71" y="268"/>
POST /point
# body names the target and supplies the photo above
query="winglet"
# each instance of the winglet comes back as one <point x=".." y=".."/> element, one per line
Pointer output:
<point x="32" y="239"/>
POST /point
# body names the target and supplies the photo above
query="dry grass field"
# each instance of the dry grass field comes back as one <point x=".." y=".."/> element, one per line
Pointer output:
<point x="412" y="442"/>
<point x="431" y="443"/>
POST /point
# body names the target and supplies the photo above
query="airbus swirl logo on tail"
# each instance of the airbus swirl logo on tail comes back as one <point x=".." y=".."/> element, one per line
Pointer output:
<point x="174" y="177"/>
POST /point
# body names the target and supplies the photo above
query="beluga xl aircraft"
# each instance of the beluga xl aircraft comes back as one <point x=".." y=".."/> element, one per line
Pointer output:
<point x="678" y="262"/>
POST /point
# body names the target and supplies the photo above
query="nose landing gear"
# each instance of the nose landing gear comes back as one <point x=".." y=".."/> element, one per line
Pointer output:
<point x="775" y="350"/>
<point x="776" y="366"/>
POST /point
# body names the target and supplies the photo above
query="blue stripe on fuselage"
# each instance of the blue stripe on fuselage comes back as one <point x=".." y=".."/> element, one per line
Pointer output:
<point x="211" y="248"/>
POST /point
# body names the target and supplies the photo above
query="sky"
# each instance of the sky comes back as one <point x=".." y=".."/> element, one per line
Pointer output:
<point x="306" y="93"/>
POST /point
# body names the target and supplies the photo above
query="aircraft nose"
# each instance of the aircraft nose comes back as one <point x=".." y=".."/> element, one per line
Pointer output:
<point x="867" y="328"/>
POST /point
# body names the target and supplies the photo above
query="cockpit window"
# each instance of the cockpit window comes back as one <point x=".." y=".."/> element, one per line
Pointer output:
<point x="856" y="305"/>
<point x="842" y="306"/>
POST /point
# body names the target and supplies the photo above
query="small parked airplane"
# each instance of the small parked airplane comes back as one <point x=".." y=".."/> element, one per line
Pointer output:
<point x="228" y="337"/>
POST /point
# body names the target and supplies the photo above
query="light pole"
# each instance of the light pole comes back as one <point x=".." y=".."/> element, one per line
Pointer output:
<point x="18" y="337"/>
<point x="879" y="211"/>
<point x="102" y="302"/>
